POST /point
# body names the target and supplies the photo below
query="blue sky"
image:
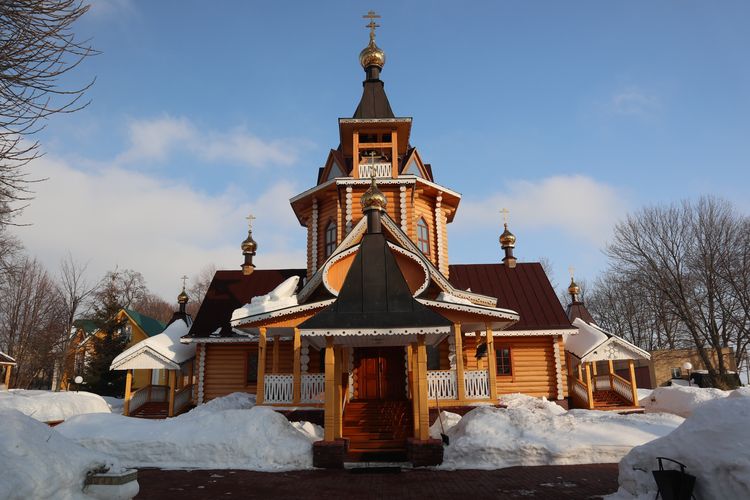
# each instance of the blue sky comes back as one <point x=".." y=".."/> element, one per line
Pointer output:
<point x="571" y="114"/>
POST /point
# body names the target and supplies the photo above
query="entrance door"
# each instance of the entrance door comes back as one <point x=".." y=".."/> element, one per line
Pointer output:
<point x="380" y="373"/>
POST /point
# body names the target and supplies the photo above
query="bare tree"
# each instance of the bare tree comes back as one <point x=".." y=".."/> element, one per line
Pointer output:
<point x="198" y="288"/>
<point x="683" y="255"/>
<point x="155" y="307"/>
<point x="37" y="47"/>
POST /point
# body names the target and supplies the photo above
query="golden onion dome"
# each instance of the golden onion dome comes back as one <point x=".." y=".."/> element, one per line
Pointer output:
<point x="373" y="199"/>
<point x="573" y="289"/>
<point x="249" y="245"/>
<point x="507" y="239"/>
<point x="372" y="55"/>
<point x="183" y="298"/>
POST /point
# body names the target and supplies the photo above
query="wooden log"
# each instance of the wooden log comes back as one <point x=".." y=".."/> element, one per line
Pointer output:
<point x="491" y="363"/>
<point x="172" y="383"/>
<point x="424" y="412"/>
<point x="275" y="359"/>
<point x="297" y="367"/>
<point x="413" y="388"/>
<point x="329" y="417"/>
<point x="610" y="366"/>
<point x="589" y="389"/>
<point x="338" y="396"/>
<point x="8" y="371"/>
<point x="633" y="385"/>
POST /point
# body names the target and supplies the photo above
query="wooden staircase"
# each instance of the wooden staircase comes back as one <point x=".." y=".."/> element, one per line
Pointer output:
<point x="152" y="409"/>
<point x="607" y="400"/>
<point x="377" y="430"/>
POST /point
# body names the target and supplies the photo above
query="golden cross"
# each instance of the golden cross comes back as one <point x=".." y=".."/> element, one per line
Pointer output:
<point x="505" y="213"/>
<point x="372" y="25"/>
<point x="184" y="281"/>
<point x="250" y="218"/>
<point x="571" y="270"/>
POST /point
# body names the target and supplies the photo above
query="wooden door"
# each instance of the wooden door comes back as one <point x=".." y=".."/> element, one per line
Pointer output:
<point x="380" y="373"/>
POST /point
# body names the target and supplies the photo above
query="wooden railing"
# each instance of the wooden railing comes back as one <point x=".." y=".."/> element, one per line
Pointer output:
<point x="313" y="388"/>
<point x="623" y="388"/>
<point x="580" y="392"/>
<point x="148" y="394"/>
<point x="441" y="384"/>
<point x="278" y="387"/>
<point x="602" y="383"/>
<point x="183" y="398"/>
<point x="477" y="384"/>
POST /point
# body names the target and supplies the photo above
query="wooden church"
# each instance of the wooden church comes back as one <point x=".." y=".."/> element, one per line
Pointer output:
<point x="379" y="329"/>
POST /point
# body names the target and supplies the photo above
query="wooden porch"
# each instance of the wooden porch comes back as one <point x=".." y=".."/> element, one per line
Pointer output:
<point x="593" y="390"/>
<point x="160" y="401"/>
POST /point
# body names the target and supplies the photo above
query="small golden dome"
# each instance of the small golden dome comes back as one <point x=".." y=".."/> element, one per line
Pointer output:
<point x="183" y="298"/>
<point x="373" y="199"/>
<point x="372" y="55"/>
<point x="507" y="239"/>
<point x="573" y="289"/>
<point x="249" y="245"/>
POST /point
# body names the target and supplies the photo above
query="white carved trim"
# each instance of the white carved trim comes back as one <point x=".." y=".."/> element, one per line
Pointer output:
<point x="402" y="207"/>
<point x="287" y="311"/>
<point x="314" y="242"/>
<point x="452" y="352"/>
<point x="558" y="367"/>
<point x="614" y="348"/>
<point x="201" y="372"/>
<point x="496" y="312"/>
<point x="348" y="216"/>
<point x="438" y="232"/>
<point x="529" y="333"/>
<point x="304" y="356"/>
<point x="360" y="332"/>
<point x="331" y="261"/>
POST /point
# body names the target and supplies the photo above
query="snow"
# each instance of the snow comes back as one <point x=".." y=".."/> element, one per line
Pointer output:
<point x="714" y="444"/>
<point x="158" y="351"/>
<point x="585" y="340"/>
<point x="279" y="298"/>
<point x="680" y="400"/>
<point x="453" y="299"/>
<point x="449" y="420"/>
<point x="38" y="462"/>
<point x="532" y="431"/>
<point x="223" y="433"/>
<point x="48" y="406"/>
<point x="116" y="405"/>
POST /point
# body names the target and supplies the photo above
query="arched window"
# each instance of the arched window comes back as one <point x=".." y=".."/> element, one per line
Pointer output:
<point x="330" y="236"/>
<point x="423" y="237"/>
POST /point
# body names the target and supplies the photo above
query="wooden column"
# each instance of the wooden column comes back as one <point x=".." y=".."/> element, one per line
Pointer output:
<point x="296" y="367"/>
<point x="355" y="155"/>
<point x="413" y="376"/>
<point x="172" y="380"/>
<point x="580" y="375"/>
<point x="424" y="411"/>
<point x="8" y="371"/>
<point x="460" y="387"/>
<point x="261" y="365"/>
<point x="128" y="395"/>
<point x="275" y="360"/>
<point x="329" y="418"/>
<point x="339" y="400"/>
<point x="593" y="368"/>
<point x="634" y="386"/>
<point x="588" y="386"/>
<point x="394" y="153"/>
<point x="611" y="367"/>
<point x="491" y="364"/>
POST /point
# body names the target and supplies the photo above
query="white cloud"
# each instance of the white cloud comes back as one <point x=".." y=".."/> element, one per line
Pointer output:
<point x="155" y="139"/>
<point x="111" y="8"/>
<point x="577" y="204"/>
<point x="634" y="101"/>
<point x="117" y="217"/>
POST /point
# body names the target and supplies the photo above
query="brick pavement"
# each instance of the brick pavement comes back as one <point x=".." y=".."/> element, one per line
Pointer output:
<point x="547" y="482"/>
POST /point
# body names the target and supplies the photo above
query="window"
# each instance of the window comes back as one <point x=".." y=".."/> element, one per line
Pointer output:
<point x="433" y="357"/>
<point x="330" y="236"/>
<point x="677" y="372"/>
<point x="504" y="365"/>
<point x="423" y="237"/>
<point x="252" y="368"/>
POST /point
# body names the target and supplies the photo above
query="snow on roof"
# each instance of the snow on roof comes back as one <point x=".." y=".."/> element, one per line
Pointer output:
<point x="595" y="344"/>
<point x="280" y="297"/>
<point x="162" y="351"/>
<point x="6" y="360"/>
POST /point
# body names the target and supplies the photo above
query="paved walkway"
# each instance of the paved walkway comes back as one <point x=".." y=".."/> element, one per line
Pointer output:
<point x="573" y="481"/>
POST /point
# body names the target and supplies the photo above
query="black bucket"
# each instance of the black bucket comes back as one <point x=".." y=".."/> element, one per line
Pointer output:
<point x="673" y="484"/>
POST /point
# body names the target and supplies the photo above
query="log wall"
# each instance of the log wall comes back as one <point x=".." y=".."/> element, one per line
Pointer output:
<point x="226" y="369"/>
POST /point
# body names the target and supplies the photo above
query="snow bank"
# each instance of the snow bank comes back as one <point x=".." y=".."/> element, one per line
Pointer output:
<point x="116" y="405"/>
<point x="680" y="400"/>
<point x="534" y="431"/>
<point x="37" y="462"/>
<point x="714" y="444"/>
<point x="48" y="406"/>
<point x="213" y="436"/>
<point x="449" y="421"/>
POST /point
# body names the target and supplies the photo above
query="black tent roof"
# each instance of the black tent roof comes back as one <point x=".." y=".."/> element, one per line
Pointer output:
<point x="374" y="295"/>
<point x="374" y="103"/>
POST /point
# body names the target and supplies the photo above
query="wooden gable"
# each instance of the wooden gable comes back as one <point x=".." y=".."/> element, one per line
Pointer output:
<point x="413" y="165"/>
<point x="335" y="167"/>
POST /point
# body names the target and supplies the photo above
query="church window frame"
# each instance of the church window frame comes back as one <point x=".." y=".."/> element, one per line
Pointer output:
<point x="504" y="360"/>
<point x="423" y="236"/>
<point x="251" y="368"/>
<point x="330" y="239"/>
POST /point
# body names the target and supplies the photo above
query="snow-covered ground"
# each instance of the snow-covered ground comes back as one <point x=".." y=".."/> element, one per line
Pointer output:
<point x="533" y="431"/>
<point x="37" y="462"/>
<point x="714" y="444"/>
<point x="683" y="400"/>
<point x="49" y="406"/>
<point x="116" y="405"/>
<point x="221" y="434"/>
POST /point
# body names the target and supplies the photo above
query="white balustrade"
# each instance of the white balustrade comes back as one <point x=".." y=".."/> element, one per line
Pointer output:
<point x="622" y="388"/>
<point x="277" y="388"/>
<point x="138" y="399"/>
<point x="159" y="393"/>
<point x="313" y="388"/>
<point x="441" y="384"/>
<point x="602" y="383"/>
<point x="477" y="384"/>
<point x="183" y="397"/>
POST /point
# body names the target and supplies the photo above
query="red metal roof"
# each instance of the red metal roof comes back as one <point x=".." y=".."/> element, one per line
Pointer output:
<point x="524" y="289"/>
<point x="232" y="289"/>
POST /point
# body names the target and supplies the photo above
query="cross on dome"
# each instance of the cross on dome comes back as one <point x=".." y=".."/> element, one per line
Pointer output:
<point x="371" y="15"/>
<point x="505" y="213"/>
<point x="184" y="280"/>
<point x="250" y="218"/>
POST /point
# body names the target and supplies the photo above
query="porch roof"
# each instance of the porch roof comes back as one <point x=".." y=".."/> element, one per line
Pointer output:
<point x="592" y="343"/>
<point x="6" y="360"/>
<point x="163" y="351"/>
